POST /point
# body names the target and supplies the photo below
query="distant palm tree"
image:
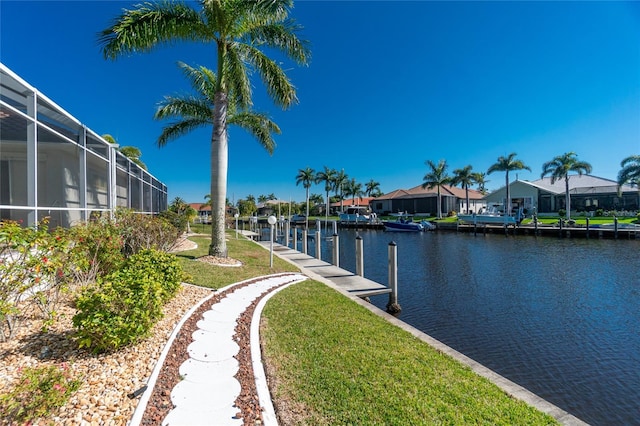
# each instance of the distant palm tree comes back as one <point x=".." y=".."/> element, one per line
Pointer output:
<point x="630" y="172"/>
<point x="131" y="152"/>
<point x="328" y="177"/>
<point x="435" y="178"/>
<point x="262" y="198"/>
<point x="372" y="187"/>
<point x="480" y="178"/>
<point x="353" y="189"/>
<point x="191" y="112"/>
<point x="465" y="178"/>
<point x="507" y="164"/>
<point x="560" y="167"/>
<point x="241" y="31"/>
<point x="306" y="177"/>
<point x="339" y="183"/>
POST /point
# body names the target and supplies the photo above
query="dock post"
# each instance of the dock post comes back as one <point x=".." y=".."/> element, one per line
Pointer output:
<point x="359" y="257"/>
<point x="335" y="227"/>
<point x="295" y="238"/>
<point x="535" y="225"/>
<point x="304" y="240"/>
<point x="286" y="233"/>
<point x="336" y="249"/>
<point x="560" y="222"/>
<point x="587" y="228"/>
<point x="615" y="227"/>
<point x="393" y="307"/>
<point x="318" y="243"/>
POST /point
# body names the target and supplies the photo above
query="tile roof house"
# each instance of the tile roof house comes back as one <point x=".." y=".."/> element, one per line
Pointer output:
<point x="419" y="200"/>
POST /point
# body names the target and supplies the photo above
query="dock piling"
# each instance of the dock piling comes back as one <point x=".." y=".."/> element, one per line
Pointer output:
<point x="336" y="249"/>
<point x="393" y="307"/>
<point x="359" y="257"/>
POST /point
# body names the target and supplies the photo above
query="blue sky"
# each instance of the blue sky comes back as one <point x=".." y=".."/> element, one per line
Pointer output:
<point x="390" y="85"/>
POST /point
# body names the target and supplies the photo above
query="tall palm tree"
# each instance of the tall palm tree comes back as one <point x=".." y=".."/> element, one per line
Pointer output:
<point x="630" y="172"/>
<point x="435" y="178"/>
<point x="191" y="112"/>
<point x="480" y="178"/>
<point x="353" y="189"/>
<point x="560" y="167"/>
<point x="339" y="183"/>
<point x="507" y="164"/>
<point x="306" y="177"/>
<point x="372" y="187"/>
<point x="328" y="177"/>
<point x="465" y="178"/>
<point x="240" y="31"/>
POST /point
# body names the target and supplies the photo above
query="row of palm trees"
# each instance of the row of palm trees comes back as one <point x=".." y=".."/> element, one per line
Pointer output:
<point x="559" y="168"/>
<point x="337" y="181"/>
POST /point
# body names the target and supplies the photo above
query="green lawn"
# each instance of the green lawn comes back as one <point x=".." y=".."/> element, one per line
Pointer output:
<point x="254" y="258"/>
<point x="338" y="363"/>
<point x="335" y="362"/>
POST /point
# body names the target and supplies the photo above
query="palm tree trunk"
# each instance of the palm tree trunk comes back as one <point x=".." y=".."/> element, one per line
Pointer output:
<point x="567" y="197"/>
<point x="507" y="206"/>
<point x="439" y="205"/>
<point x="219" y="164"/>
<point x="466" y="190"/>
<point x="306" y="218"/>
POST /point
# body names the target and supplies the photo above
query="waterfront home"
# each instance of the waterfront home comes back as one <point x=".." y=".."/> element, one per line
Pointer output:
<point x="423" y="201"/>
<point x="588" y="193"/>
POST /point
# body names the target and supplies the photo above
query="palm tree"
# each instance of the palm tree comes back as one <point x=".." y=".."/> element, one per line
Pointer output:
<point x="630" y="172"/>
<point x="353" y="189"/>
<point x="465" y="178"/>
<point x="507" y="164"/>
<point x="262" y="198"/>
<point x="328" y="177"/>
<point x="372" y="188"/>
<point x="435" y="178"/>
<point x="131" y="152"/>
<point x="240" y="32"/>
<point x="306" y="177"/>
<point x="560" y="167"/>
<point x="192" y="112"/>
<point x="339" y="183"/>
<point x="480" y="178"/>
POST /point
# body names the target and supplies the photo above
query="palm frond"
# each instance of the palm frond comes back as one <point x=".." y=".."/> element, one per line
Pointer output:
<point x="149" y="25"/>
<point x="202" y="79"/>
<point x="189" y="107"/>
<point x="237" y="77"/>
<point x="282" y="36"/>
<point x="179" y="128"/>
<point x="274" y="78"/>
<point x="260" y="126"/>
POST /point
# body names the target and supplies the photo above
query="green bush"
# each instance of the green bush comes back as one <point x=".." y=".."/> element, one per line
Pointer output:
<point x="562" y="212"/>
<point x="600" y="212"/>
<point x="140" y="232"/>
<point x="38" y="392"/>
<point x="123" y="306"/>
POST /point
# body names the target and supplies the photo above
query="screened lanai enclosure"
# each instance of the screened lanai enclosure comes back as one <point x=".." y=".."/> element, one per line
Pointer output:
<point x="51" y="165"/>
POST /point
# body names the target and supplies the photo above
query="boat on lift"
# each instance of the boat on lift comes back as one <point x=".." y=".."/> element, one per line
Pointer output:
<point x="405" y="223"/>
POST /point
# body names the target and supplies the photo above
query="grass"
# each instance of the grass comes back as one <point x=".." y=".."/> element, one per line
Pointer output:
<point x="335" y="362"/>
<point x="254" y="258"/>
<point x="339" y="363"/>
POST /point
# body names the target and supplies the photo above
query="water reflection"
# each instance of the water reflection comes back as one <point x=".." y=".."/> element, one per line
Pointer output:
<point x="560" y="317"/>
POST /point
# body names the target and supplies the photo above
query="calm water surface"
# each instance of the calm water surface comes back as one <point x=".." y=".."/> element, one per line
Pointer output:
<point x="560" y="317"/>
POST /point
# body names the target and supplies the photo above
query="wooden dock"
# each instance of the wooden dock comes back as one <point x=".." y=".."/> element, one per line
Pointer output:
<point x="316" y="268"/>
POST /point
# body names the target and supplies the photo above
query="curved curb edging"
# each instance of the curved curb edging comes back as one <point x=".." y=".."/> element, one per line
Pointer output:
<point x="264" y="395"/>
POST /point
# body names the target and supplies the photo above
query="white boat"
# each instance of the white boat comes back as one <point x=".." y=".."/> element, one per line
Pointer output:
<point x="491" y="216"/>
<point x="355" y="215"/>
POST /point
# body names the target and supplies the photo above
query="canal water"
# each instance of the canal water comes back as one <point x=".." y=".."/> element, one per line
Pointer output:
<point x="560" y="317"/>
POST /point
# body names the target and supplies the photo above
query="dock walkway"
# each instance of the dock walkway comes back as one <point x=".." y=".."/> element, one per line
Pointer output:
<point x="346" y="280"/>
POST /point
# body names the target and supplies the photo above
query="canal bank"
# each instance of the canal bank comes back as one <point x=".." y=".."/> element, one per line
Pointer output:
<point x="334" y="277"/>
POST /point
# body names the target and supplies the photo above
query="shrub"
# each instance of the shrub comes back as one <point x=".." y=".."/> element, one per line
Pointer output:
<point x="600" y="212"/>
<point x="122" y="307"/>
<point x="38" y="391"/>
<point x="140" y="232"/>
<point x="179" y="221"/>
<point x="562" y="212"/>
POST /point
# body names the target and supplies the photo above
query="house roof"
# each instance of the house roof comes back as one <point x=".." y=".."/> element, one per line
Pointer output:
<point x="578" y="184"/>
<point x="420" y="192"/>
<point x="364" y="201"/>
<point x="200" y="207"/>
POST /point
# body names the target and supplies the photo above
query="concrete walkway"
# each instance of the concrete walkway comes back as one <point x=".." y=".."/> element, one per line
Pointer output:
<point x="207" y="393"/>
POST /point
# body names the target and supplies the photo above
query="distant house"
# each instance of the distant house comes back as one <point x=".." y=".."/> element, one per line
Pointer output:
<point x="351" y="202"/>
<point x="588" y="193"/>
<point x="419" y="200"/>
